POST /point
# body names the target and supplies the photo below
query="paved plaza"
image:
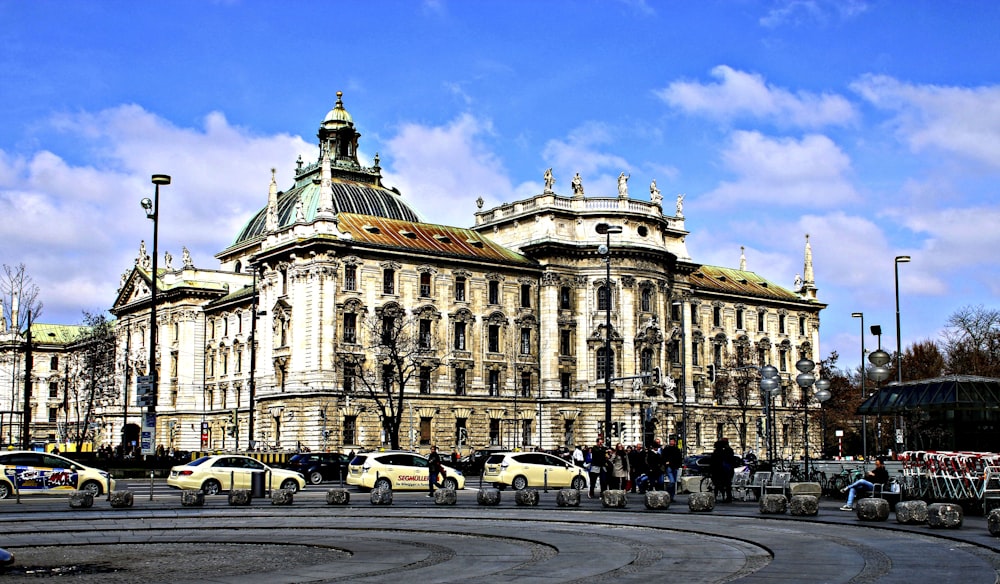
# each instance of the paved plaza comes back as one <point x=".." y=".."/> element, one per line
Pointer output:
<point x="417" y="540"/>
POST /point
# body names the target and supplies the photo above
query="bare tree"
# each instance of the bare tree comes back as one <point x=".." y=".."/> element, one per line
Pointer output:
<point x="921" y="360"/>
<point x="972" y="342"/>
<point x="399" y="352"/>
<point x="737" y="387"/>
<point x="19" y="292"/>
<point x="93" y="376"/>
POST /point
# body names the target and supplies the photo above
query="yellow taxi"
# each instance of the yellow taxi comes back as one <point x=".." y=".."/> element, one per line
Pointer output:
<point x="521" y="470"/>
<point x="38" y="472"/>
<point x="397" y="470"/>
<point x="213" y="474"/>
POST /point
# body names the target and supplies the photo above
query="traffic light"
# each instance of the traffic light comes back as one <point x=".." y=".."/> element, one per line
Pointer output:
<point x="232" y="425"/>
<point x="760" y="426"/>
<point x="173" y="430"/>
<point x="656" y="375"/>
<point x="711" y="372"/>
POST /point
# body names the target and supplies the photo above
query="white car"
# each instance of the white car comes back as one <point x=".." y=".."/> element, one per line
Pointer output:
<point x="213" y="474"/>
<point x="38" y="472"/>
<point x="397" y="470"/>
<point x="521" y="470"/>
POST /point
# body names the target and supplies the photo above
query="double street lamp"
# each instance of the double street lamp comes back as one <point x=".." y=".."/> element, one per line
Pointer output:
<point x="878" y="373"/>
<point x="770" y="387"/>
<point x="605" y="251"/>
<point x="153" y="213"/>
<point x="806" y="379"/>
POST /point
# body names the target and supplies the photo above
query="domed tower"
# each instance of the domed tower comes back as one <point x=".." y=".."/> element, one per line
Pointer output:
<point x="335" y="183"/>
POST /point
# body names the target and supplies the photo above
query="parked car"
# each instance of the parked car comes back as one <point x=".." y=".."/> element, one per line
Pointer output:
<point x="521" y="470"/>
<point x="212" y="474"/>
<point x="317" y="467"/>
<point x="474" y="462"/>
<point x="696" y="465"/>
<point x="37" y="472"/>
<point x="397" y="470"/>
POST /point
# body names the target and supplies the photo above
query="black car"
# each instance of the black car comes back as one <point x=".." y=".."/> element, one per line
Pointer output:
<point x="698" y="464"/>
<point x="317" y="467"/>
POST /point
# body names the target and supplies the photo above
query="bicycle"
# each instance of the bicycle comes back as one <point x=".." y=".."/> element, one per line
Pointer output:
<point x="845" y="477"/>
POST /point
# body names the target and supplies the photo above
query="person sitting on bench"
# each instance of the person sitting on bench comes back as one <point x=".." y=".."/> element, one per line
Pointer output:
<point x="877" y="476"/>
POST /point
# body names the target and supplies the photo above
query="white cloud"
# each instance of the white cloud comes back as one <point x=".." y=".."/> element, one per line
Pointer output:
<point x="441" y="171"/>
<point x="78" y="228"/>
<point x="810" y="172"/>
<point x="740" y="94"/>
<point x="795" y="12"/>
<point x="964" y="121"/>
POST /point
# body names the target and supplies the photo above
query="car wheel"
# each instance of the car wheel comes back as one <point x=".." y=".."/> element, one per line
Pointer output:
<point x="519" y="483"/>
<point x="383" y="485"/>
<point x="5" y="490"/>
<point x="92" y="487"/>
<point x="450" y="483"/>
<point x="579" y="483"/>
<point x="211" y="487"/>
<point x="290" y="485"/>
<point x="315" y="477"/>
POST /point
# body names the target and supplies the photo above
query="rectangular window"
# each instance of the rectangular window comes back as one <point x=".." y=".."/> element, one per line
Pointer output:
<point x="526" y="341"/>
<point x="53" y="412"/>
<point x="425" y="285"/>
<point x="459" y="336"/>
<point x="494" y="292"/>
<point x="525" y="384"/>
<point x="761" y="357"/>
<point x="460" y="288"/>
<point x="761" y="315"/>
<point x="802" y="326"/>
<point x="388" y="374"/>
<point x="675" y="312"/>
<point x="494" y="432"/>
<point x="53" y="389"/>
<point x="225" y="362"/>
<point x="565" y="298"/>
<point x="565" y="341"/>
<point x="350" y="429"/>
<point x="781" y="324"/>
<point x="350" y="371"/>
<point x="783" y="358"/>
<point x="424" y="338"/>
<point x="425" y="431"/>
<point x="646" y="300"/>
<point x="350" y="328"/>
<point x="525" y="296"/>
<point x="526" y="432"/>
<point x="388" y="330"/>
<point x="54" y="363"/>
<point x="350" y="277"/>
<point x="461" y="432"/>
<point x="425" y="380"/>
<point x="603" y="302"/>
<point x="565" y="384"/>
<point x="388" y="281"/>
<point x="493" y="338"/>
<point x="716" y="316"/>
<point x="239" y="361"/>
<point x="717" y="355"/>
<point x="460" y="382"/>
<point x="695" y="357"/>
<point x="494" y="383"/>
<point x="739" y="318"/>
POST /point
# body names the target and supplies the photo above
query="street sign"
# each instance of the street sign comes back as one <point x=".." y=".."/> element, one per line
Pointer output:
<point x="143" y="388"/>
<point x="147" y="440"/>
<point x="144" y="379"/>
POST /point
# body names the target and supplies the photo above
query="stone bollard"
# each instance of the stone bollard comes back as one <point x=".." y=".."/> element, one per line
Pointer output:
<point x="993" y="522"/>
<point x="872" y="509"/>
<point x="568" y="498"/>
<point x="701" y="501"/>
<point x="488" y="497"/>
<point x="121" y="499"/>
<point x="338" y="497"/>
<point x="81" y="500"/>
<point x="614" y="498"/>
<point x="804" y="505"/>
<point x="813" y="489"/>
<point x="191" y="498"/>
<point x="240" y="497"/>
<point x="773" y="504"/>
<point x="911" y="512"/>
<point x="526" y="497"/>
<point x="282" y="496"/>
<point x="445" y="497"/>
<point x="657" y="500"/>
<point x="381" y="497"/>
<point x="945" y="515"/>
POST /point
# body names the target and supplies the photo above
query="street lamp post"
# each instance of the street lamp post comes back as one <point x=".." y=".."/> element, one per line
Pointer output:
<point x="864" y="417"/>
<point x="805" y="379"/>
<point x="769" y="388"/>
<point x="878" y="373"/>
<point x="605" y="250"/>
<point x="153" y="212"/>
<point x="899" y="348"/>
<point x="822" y="394"/>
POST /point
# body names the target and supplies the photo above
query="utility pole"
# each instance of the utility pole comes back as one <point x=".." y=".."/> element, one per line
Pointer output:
<point x="26" y="414"/>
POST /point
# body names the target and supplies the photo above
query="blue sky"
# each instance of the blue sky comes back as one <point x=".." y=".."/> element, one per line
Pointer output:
<point x="872" y="126"/>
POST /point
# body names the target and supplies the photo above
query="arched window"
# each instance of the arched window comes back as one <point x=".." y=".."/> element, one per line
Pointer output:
<point x="646" y="300"/>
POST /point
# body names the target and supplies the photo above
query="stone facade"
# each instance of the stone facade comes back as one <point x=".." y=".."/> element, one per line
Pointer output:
<point x="509" y="321"/>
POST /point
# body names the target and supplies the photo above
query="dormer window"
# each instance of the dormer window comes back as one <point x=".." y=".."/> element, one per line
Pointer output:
<point x="442" y="238"/>
<point x="407" y="234"/>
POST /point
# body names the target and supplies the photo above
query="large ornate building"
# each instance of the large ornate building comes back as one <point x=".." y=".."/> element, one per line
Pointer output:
<point x="515" y="321"/>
